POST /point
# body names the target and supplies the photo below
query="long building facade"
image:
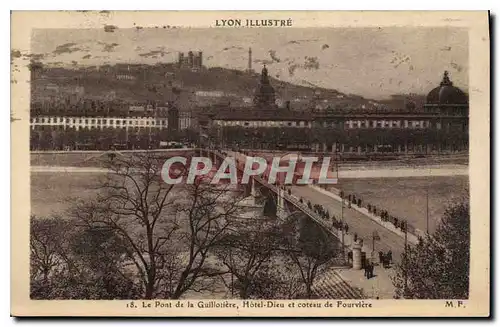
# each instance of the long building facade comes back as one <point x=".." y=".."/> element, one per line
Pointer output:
<point x="441" y="125"/>
<point x="141" y="127"/>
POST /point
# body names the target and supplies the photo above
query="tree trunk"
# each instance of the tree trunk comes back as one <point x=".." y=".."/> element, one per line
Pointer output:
<point x="308" y="290"/>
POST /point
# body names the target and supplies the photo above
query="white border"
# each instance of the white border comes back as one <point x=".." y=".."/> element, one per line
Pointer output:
<point x="186" y="5"/>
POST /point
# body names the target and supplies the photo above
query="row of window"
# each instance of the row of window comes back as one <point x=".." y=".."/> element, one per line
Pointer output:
<point x="263" y="123"/>
<point x="98" y="121"/>
<point x="81" y="127"/>
<point x="380" y="124"/>
<point x="105" y="121"/>
<point x="345" y="124"/>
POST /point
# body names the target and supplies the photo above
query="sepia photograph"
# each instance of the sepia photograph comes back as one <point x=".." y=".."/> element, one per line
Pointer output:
<point x="254" y="164"/>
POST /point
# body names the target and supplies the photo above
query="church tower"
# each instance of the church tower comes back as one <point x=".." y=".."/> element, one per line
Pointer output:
<point x="249" y="68"/>
<point x="264" y="94"/>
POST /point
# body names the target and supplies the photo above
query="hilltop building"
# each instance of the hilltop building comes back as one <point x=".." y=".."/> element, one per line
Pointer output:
<point x="191" y="61"/>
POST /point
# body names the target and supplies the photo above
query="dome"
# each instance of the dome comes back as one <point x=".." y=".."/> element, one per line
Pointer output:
<point x="446" y="93"/>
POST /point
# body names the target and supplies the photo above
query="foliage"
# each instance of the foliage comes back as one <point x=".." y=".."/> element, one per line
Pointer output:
<point x="438" y="266"/>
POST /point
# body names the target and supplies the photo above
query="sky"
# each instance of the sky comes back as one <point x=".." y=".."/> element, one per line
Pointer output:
<point x="371" y="62"/>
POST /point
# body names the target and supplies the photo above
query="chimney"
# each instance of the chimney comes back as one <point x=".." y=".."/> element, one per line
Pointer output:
<point x="190" y="59"/>
<point x="181" y="59"/>
<point x="249" y="60"/>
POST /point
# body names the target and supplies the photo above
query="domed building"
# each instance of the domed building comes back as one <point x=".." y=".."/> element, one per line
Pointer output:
<point x="441" y="126"/>
<point x="447" y="99"/>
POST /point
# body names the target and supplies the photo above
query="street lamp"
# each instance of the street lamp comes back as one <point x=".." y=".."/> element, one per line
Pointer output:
<point x="427" y="200"/>
<point x="342" y="224"/>
<point x="405" y="226"/>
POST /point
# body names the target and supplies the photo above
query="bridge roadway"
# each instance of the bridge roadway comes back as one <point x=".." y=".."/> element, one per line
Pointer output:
<point x="357" y="222"/>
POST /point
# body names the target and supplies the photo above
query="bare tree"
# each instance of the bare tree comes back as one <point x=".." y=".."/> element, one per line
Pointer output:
<point x="48" y="243"/>
<point x="168" y="233"/>
<point x="69" y="261"/>
<point x="309" y="248"/>
<point x="246" y="252"/>
<point x="208" y="212"/>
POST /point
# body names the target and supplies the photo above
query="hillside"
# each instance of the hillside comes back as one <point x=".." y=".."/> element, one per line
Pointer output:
<point x="167" y="82"/>
<point x="163" y="82"/>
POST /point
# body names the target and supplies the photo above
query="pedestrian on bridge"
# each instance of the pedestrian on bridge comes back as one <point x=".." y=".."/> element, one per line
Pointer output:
<point x="371" y="267"/>
<point x="381" y="256"/>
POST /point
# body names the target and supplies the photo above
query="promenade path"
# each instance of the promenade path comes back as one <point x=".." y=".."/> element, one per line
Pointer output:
<point x="358" y="223"/>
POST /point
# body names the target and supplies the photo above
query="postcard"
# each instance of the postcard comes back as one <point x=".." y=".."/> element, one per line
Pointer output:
<point x="250" y="164"/>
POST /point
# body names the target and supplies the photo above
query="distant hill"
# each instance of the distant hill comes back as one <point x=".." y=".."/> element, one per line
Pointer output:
<point x="167" y="82"/>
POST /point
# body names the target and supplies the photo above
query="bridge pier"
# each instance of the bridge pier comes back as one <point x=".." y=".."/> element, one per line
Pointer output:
<point x="280" y="204"/>
<point x="249" y="192"/>
<point x="214" y="158"/>
<point x="253" y="189"/>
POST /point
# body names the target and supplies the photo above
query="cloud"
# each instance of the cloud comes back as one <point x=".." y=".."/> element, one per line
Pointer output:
<point x="232" y="47"/>
<point x="457" y="67"/>
<point x="110" y="28"/>
<point x="35" y="56"/>
<point x="272" y="54"/>
<point x="301" y="41"/>
<point x="311" y="63"/>
<point x="292" y="68"/>
<point x="309" y="83"/>
<point x="399" y="58"/>
<point x="154" y="54"/>
<point x="108" y="47"/>
<point x="66" y="48"/>
<point x="263" y="61"/>
<point x="15" y="54"/>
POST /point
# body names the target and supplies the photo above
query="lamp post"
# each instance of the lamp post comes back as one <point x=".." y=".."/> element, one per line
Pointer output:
<point x="405" y="224"/>
<point x="427" y="201"/>
<point x="342" y="224"/>
<point x="427" y="208"/>
<point x="341" y="202"/>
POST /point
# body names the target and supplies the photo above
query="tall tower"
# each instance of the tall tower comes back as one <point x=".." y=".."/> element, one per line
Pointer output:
<point x="190" y="59"/>
<point x="249" y="60"/>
